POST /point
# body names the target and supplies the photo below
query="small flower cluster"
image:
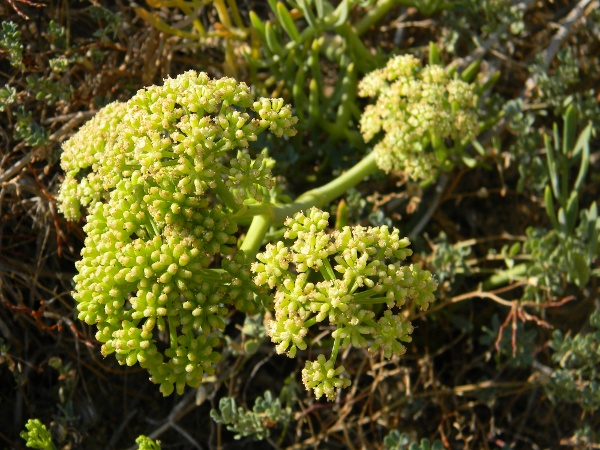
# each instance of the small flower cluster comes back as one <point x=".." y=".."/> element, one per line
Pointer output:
<point x="417" y="108"/>
<point x="162" y="176"/>
<point x="336" y="278"/>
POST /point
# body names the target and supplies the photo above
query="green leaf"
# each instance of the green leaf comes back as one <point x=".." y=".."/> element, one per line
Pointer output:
<point x="10" y="39"/>
<point x="569" y="129"/>
<point x="581" y="273"/>
<point x="468" y="161"/>
<point x="8" y="96"/>
<point x="583" y="144"/>
<point x="469" y="74"/>
<point x="434" y="54"/>
<point x="562" y="221"/>
<point x="273" y="5"/>
<point x="348" y="96"/>
<point x="593" y="230"/>
<point x="285" y="18"/>
<point x="258" y="25"/>
<point x="227" y="406"/>
<point x="341" y="215"/>
<point x="514" y="249"/>
<point x="299" y="92"/>
<point x="320" y="8"/>
<point x="583" y="140"/>
<point x="340" y="15"/>
<point x="272" y="41"/>
<point x="571" y="212"/>
<point x="315" y="63"/>
<point x="478" y="147"/>
<point x="291" y="67"/>
<point x="314" y="109"/>
<point x="308" y="15"/>
<point x="552" y="169"/>
<point x="556" y="136"/>
<point x="491" y="81"/>
<point x="549" y="204"/>
<point x="251" y="346"/>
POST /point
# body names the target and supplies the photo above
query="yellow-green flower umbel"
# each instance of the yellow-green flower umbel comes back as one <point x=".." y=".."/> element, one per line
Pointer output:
<point x="161" y="177"/>
<point x="417" y="108"/>
<point x="335" y="279"/>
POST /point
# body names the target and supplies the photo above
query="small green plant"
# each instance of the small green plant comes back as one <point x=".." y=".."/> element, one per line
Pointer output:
<point x="49" y="90"/>
<point x="28" y="130"/>
<point x="37" y="435"/>
<point x="10" y="40"/>
<point x="450" y="261"/>
<point x="46" y="87"/>
<point x="110" y="20"/>
<point x="402" y="441"/>
<point x="296" y="47"/>
<point x="8" y="95"/>
<point x="497" y="19"/>
<point x="266" y="413"/>
<point x="145" y="443"/>
<point x="516" y="348"/>
<point x="577" y="377"/>
<point x="555" y="88"/>
<point x="228" y="29"/>
<point x="565" y="253"/>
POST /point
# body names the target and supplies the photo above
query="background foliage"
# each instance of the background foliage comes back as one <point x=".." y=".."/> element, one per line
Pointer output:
<point x="507" y="357"/>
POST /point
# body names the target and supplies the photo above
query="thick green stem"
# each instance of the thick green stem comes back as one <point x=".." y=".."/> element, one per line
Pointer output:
<point x="266" y="214"/>
<point x="320" y="196"/>
<point x="335" y="349"/>
<point x="255" y="236"/>
<point x="310" y="322"/>
<point x="246" y="213"/>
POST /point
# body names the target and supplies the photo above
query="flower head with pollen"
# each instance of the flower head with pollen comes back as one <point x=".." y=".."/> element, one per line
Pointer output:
<point x="334" y="279"/>
<point x="161" y="178"/>
<point x="416" y="109"/>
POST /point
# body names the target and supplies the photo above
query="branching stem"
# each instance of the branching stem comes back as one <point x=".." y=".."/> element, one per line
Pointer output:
<point x="276" y="214"/>
<point x="320" y="196"/>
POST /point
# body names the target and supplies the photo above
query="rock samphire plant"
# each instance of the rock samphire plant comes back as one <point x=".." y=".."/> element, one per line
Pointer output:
<point x="177" y="209"/>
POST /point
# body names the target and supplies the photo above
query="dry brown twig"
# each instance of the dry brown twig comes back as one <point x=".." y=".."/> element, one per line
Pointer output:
<point x="25" y="2"/>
